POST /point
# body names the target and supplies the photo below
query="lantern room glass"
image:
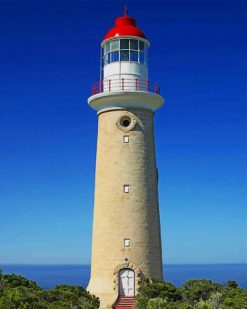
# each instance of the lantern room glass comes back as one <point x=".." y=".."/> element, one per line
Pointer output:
<point x="128" y="50"/>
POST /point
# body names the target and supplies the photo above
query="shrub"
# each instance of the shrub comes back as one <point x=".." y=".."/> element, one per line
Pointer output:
<point x="157" y="303"/>
<point x="235" y="299"/>
<point x="18" y="292"/>
<point x="196" y="290"/>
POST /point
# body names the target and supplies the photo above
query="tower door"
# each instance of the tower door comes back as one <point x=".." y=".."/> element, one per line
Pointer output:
<point x="127" y="282"/>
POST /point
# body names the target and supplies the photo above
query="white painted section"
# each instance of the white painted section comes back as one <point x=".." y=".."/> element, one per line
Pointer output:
<point x="127" y="282"/>
<point x="131" y="69"/>
<point x="125" y="76"/>
<point x="129" y="99"/>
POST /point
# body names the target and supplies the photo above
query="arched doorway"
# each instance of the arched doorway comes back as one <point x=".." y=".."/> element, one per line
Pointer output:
<point x="127" y="282"/>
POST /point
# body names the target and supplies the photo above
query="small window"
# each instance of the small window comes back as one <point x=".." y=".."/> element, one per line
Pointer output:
<point x="126" y="242"/>
<point x="106" y="59"/>
<point x="125" y="121"/>
<point x="141" y="57"/>
<point x="124" y="55"/>
<point x="124" y="44"/>
<point x="134" y="44"/>
<point x="107" y="47"/>
<point x="115" y="45"/>
<point x="126" y="189"/>
<point x="126" y="139"/>
<point x="141" y="45"/>
<point x="133" y="56"/>
<point x="109" y="58"/>
<point x="115" y="56"/>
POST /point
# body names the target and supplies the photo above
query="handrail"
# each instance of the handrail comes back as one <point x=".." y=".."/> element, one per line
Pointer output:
<point x="125" y="84"/>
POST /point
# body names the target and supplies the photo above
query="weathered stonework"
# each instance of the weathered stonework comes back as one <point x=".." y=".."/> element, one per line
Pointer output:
<point x="126" y="116"/>
<point x="119" y="215"/>
<point x="135" y="268"/>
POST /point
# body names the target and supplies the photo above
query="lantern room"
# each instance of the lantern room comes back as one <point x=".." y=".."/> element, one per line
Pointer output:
<point x="124" y="80"/>
<point x="124" y="57"/>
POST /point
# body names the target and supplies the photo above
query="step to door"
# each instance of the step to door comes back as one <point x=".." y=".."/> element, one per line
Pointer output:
<point x="125" y="303"/>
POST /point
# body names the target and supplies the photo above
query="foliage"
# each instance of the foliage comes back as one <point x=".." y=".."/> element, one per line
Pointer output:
<point x="155" y="288"/>
<point x="232" y="284"/>
<point x="214" y="302"/>
<point x="194" y="290"/>
<point x="17" y="292"/>
<point x="13" y="281"/>
<point x="235" y="298"/>
<point x="157" y="303"/>
<point x="194" y="294"/>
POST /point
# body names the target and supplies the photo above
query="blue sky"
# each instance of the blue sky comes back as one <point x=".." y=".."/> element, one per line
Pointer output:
<point x="49" y="59"/>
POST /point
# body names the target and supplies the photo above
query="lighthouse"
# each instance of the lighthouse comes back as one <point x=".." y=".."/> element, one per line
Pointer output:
<point x="126" y="230"/>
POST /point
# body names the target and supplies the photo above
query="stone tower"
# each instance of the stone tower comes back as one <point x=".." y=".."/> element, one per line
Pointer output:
<point x="126" y="229"/>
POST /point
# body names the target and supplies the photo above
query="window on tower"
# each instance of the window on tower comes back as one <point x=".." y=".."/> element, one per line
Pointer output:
<point x="115" y="56"/>
<point x="141" y="57"/>
<point x="127" y="50"/>
<point x="124" y="44"/>
<point x="126" y="242"/>
<point x="126" y="189"/>
<point x="141" y="45"/>
<point x="133" y="56"/>
<point x="134" y="44"/>
<point x="114" y="45"/>
<point x="107" y="47"/>
<point x="124" y="55"/>
<point x="126" y="139"/>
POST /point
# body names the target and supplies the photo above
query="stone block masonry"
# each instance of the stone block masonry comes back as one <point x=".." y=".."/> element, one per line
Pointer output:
<point x="120" y="215"/>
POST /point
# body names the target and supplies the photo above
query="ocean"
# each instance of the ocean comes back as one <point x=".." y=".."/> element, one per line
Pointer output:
<point x="48" y="276"/>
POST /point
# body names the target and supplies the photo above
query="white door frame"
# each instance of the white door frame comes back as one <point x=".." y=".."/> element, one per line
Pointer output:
<point x="125" y="278"/>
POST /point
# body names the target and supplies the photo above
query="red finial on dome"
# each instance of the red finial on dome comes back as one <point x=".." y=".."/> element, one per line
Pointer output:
<point x="124" y="26"/>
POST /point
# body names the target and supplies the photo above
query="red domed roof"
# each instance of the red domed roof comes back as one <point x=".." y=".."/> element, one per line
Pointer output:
<point x="124" y="26"/>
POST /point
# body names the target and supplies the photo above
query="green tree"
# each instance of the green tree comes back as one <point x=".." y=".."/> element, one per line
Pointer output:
<point x="21" y="293"/>
<point x="214" y="302"/>
<point x="12" y="280"/>
<point x="196" y="290"/>
<point x="156" y="288"/>
<point x="76" y="296"/>
<point x="19" y="297"/>
<point x="202" y="304"/>
<point x="235" y="298"/>
<point x="232" y="284"/>
<point x="157" y="303"/>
